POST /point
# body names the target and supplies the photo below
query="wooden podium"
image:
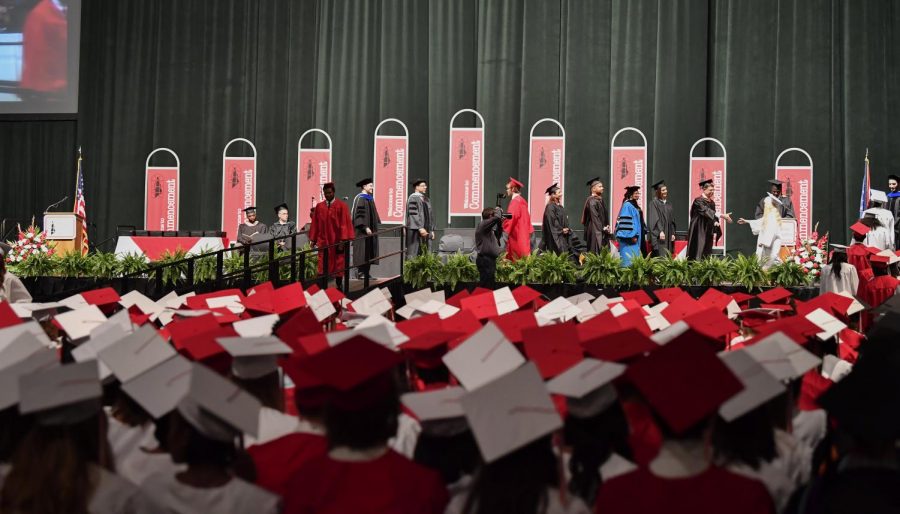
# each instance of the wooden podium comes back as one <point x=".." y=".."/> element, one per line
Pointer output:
<point x="65" y="229"/>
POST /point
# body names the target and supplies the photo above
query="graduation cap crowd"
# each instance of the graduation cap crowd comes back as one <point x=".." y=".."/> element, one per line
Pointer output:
<point x="490" y="401"/>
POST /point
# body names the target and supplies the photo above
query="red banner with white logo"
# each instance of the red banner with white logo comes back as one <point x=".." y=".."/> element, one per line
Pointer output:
<point x="313" y="172"/>
<point x="798" y="186"/>
<point x="705" y="168"/>
<point x="238" y="192"/>
<point x="390" y="179"/>
<point x="628" y="168"/>
<point x="547" y="165"/>
<point x="161" y="195"/>
<point x="466" y="171"/>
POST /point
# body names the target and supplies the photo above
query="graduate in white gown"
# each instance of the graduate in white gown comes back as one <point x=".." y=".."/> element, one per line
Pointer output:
<point x="839" y="276"/>
<point x="767" y="230"/>
<point x="63" y="463"/>
<point x="881" y="237"/>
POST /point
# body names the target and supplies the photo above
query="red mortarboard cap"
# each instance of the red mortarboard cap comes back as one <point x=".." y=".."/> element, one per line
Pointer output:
<point x="516" y="182"/>
<point x="313" y="289"/>
<point x="260" y="288"/>
<point x="455" y="299"/>
<point x="638" y="295"/>
<point x="420" y="325"/>
<point x="301" y="323"/>
<point x="334" y="295"/>
<point x="680" y="308"/>
<point x="776" y="306"/>
<point x="185" y="328"/>
<point x="832" y="303"/>
<point x="757" y="317"/>
<point x="8" y="316"/>
<point x="515" y="323"/>
<point x="873" y="250"/>
<point x="309" y="390"/>
<point x="101" y="297"/>
<point x="358" y="369"/>
<point x="859" y="229"/>
<point x="525" y="295"/>
<point x="224" y="316"/>
<point x="775" y="295"/>
<point x="482" y="306"/>
<point x="740" y="297"/>
<point x="684" y="381"/>
<point x="812" y="387"/>
<point x="463" y="321"/>
<point x="198" y="302"/>
<point x="711" y="323"/>
<point x="288" y="298"/>
<point x="600" y="325"/>
<point x="715" y="299"/>
<point x="427" y="349"/>
<point x="137" y="316"/>
<point x="635" y="319"/>
<point x="668" y="294"/>
<point x="553" y="348"/>
<point x="851" y="338"/>
<point x="261" y="301"/>
<point x="310" y="344"/>
<point x="880" y="261"/>
<point x="204" y="348"/>
<point x="619" y="346"/>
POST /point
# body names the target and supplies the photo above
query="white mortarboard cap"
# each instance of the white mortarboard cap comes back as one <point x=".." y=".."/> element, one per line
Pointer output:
<point x="37" y="311"/>
<point x="436" y="404"/>
<point x="759" y="385"/>
<point x="31" y="357"/>
<point x="483" y="357"/>
<point x="256" y="327"/>
<point x="136" y="353"/>
<point x="321" y="305"/>
<point x="136" y="298"/>
<point x="830" y="325"/>
<point x="254" y="357"/>
<point x="782" y="357"/>
<point x="876" y="195"/>
<point x="159" y="389"/>
<point x="79" y="323"/>
<point x="101" y="338"/>
<point x="834" y="368"/>
<point x="62" y="394"/>
<point x="585" y="377"/>
<point x="33" y="328"/>
<point x="217" y="407"/>
<point x="669" y="333"/>
<point x="510" y="412"/>
<point x="373" y="302"/>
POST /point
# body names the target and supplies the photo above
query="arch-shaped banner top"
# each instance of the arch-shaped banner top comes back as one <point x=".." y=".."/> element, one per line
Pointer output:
<point x="612" y="142"/>
<point x="632" y="172"/>
<point x="238" y="188"/>
<point x="544" y="150"/>
<point x="794" y="149"/>
<point x="473" y="111"/>
<point x="465" y="177"/>
<point x="311" y="131"/>
<point x="542" y="120"/>
<point x="395" y="120"/>
<point x="390" y="173"/>
<point x="235" y="140"/>
<point x="175" y="155"/>
<point x="162" y="193"/>
<point x="714" y="140"/>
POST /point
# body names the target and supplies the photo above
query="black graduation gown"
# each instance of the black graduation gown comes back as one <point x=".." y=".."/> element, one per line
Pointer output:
<point x="594" y="217"/>
<point x="702" y="232"/>
<point x="364" y="216"/>
<point x="552" y="237"/>
<point x="661" y="218"/>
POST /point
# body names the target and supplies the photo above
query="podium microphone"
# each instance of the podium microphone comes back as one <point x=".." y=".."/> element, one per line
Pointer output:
<point x="52" y="205"/>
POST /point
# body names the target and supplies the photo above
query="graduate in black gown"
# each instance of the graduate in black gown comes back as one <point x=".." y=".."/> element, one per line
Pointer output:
<point x="595" y="218"/>
<point x="661" y="222"/>
<point x="704" y="229"/>
<point x="365" y="222"/>
<point x="282" y="226"/>
<point x="555" y="230"/>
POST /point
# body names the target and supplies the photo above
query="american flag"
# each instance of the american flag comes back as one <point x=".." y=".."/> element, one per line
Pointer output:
<point x="80" y="207"/>
<point x="866" y="187"/>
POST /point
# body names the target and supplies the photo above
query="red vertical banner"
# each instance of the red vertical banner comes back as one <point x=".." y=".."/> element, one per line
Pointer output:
<point x="546" y="166"/>
<point x="313" y="172"/>
<point x="161" y="194"/>
<point x="390" y="174"/>
<point x="238" y="188"/>
<point x="704" y="168"/>
<point x="627" y="167"/>
<point x="466" y="169"/>
<point x="798" y="186"/>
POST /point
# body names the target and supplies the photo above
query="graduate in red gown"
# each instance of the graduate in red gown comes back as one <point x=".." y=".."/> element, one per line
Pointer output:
<point x="883" y="285"/>
<point x="857" y="253"/>
<point x="519" y="225"/>
<point x="361" y="474"/>
<point x="330" y="224"/>
<point x="45" y="43"/>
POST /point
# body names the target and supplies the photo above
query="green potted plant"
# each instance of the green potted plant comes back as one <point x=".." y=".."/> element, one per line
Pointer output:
<point x="710" y="271"/>
<point x="552" y="268"/>
<point x="459" y="268"/>
<point x="422" y="270"/>
<point x="601" y="269"/>
<point x="671" y="272"/>
<point x="789" y="274"/>
<point x="747" y="271"/>
<point x="639" y="273"/>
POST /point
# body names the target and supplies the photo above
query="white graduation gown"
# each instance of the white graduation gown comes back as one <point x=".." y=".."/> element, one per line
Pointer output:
<point x="272" y="425"/>
<point x="132" y="449"/>
<point x="408" y="430"/>
<point x="846" y="282"/>
<point x="235" y="497"/>
<point x="768" y="232"/>
<point x="885" y="233"/>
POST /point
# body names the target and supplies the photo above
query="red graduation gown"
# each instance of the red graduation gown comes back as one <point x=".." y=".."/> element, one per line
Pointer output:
<point x="714" y="491"/>
<point x="390" y="484"/>
<point x="858" y="256"/>
<point x="519" y="229"/>
<point x="331" y="224"/>
<point x="44" y="59"/>
<point x="879" y="289"/>
<point x="277" y="460"/>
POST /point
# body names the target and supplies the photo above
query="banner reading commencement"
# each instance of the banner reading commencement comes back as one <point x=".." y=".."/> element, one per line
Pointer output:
<point x="703" y="168"/>
<point x="389" y="174"/>
<point x="466" y="168"/>
<point x="547" y="166"/>
<point x="627" y="167"/>
<point x="238" y="188"/>
<point x="161" y="194"/>
<point x="313" y="172"/>
<point x="798" y="186"/>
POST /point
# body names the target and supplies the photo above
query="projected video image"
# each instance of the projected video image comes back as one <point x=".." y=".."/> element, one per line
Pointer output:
<point x="38" y="55"/>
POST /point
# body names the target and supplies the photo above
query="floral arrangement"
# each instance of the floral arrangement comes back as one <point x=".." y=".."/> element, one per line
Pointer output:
<point x="31" y="241"/>
<point x="811" y="253"/>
